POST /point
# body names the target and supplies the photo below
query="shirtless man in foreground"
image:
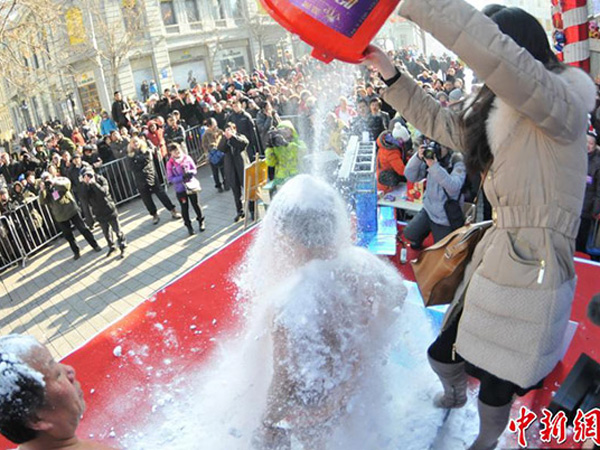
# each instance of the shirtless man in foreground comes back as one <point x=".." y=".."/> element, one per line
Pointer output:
<point x="41" y="402"/>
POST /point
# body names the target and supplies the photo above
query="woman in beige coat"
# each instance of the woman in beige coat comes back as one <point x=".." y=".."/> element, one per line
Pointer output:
<point x="526" y="131"/>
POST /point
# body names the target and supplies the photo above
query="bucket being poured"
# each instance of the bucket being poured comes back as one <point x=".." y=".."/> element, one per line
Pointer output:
<point x="336" y="29"/>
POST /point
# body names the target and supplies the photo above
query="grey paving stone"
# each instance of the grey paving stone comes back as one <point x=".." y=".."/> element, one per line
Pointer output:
<point x="65" y="302"/>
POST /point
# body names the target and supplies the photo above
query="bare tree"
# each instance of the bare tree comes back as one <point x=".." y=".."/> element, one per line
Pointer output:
<point x="26" y="30"/>
<point x="214" y="47"/>
<point x="115" y="31"/>
<point x="259" y="24"/>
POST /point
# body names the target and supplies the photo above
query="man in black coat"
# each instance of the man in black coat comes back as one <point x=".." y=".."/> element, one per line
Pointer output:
<point x="220" y="116"/>
<point x="142" y="165"/>
<point x="9" y="169"/>
<point x="233" y="144"/>
<point x="162" y="107"/>
<point x="96" y="193"/>
<point x="174" y="132"/>
<point x="120" y="111"/>
<point x="246" y="127"/>
<point x="176" y="102"/>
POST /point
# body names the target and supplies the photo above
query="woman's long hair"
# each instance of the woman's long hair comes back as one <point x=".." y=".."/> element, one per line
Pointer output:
<point x="527" y="32"/>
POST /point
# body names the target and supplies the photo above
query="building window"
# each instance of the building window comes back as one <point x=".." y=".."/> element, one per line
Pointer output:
<point x="133" y="18"/>
<point x="191" y="9"/>
<point x="237" y="9"/>
<point x="218" y="9"/>
<point x="167" y="10"/>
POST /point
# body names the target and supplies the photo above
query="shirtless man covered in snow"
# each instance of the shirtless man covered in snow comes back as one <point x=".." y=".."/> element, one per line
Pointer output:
<point x="41" y="402"/>
<point x="331" y="307"/>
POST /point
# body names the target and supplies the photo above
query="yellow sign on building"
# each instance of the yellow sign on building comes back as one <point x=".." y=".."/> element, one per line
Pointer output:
<point x="75" y="26"/>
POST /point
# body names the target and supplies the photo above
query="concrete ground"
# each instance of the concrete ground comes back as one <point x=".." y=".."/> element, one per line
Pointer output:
<point x="64" y="303"/>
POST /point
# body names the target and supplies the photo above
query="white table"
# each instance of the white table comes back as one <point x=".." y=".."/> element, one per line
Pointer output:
<point x="400" y="201"/>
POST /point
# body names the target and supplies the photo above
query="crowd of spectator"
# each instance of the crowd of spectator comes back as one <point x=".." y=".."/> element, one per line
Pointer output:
<point x="226" y="122"/>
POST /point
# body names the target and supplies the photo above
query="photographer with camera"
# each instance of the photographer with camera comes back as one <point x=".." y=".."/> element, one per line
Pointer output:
<point x="95" y="192"/>
<point x="445" y="172"/>
<point x="56" y="193"/>
<point x="284" y="150"/>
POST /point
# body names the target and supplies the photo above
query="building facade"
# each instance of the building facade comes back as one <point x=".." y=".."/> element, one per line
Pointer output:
<point x="103" y="46"/>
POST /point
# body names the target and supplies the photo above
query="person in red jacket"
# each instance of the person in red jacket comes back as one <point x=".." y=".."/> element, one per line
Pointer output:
<point x="155" y="135"/>
<point x="391" y="156"/>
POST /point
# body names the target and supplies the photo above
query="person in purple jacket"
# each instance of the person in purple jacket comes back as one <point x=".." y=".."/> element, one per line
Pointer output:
<point x="181" y="173"/>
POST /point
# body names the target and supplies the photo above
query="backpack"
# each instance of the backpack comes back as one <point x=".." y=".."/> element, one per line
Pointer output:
<point x="216" y="157"/>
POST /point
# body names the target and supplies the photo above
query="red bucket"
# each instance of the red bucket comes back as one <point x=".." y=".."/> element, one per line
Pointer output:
<point x="336" y="29"/>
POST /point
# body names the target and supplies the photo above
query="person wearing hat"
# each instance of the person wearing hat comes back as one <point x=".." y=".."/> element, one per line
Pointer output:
<point x="39" y="150"/>
<point x="95" y="192"/>
<point x="55" y="192"/>
<point x="30" y="163"/>
<point x="455" y="98"/>
<point x="65" y="144"/>
<point x="591" y="202"/>
<point x="91" y="157"/>
<point x="391" y="159"/>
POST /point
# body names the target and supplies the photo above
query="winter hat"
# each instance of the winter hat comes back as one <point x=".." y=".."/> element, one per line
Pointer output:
<point x="440" y="95"/>
<point x="400" y="132"/>
<point x="455" y="96"/>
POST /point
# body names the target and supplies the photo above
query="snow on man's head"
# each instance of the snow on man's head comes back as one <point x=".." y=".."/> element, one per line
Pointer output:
<point x="22" y="388"/>
<point x="309" y="212"/>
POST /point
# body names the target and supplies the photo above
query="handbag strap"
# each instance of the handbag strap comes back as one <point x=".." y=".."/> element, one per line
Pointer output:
<point x="476" y="200"/>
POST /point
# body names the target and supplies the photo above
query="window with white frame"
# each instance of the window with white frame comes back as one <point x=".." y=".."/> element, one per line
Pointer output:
<point x="192" y="11"/>
<point x="167" y="10"/>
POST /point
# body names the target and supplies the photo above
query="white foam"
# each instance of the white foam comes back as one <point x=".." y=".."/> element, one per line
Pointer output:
<point x="13" y="369"/>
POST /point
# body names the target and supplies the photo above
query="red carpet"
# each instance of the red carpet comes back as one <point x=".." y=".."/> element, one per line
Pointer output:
<point x="167" y="335"/>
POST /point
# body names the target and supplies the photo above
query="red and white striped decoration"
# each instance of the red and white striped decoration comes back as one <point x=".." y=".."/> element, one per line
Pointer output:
<point x="557" y="22"/>
<point x="571" y="17"/>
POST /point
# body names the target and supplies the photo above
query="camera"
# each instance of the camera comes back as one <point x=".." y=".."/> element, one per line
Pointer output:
<point x="48" y="184"/>
<point x="279" y="138"/>
<point x="433" y="150"/>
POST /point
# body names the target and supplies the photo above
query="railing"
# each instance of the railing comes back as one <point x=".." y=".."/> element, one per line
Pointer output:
<point x="193" y="141"/>
<point x="24" y="231"/>
<point x="30" y="227"/>
<point x="121" y="179"/>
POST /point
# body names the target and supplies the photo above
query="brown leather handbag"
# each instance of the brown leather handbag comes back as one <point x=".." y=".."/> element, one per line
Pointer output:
<point x="439" y="269"/>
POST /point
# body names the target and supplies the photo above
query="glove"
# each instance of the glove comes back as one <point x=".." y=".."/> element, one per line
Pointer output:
<point x="187" y="177"/>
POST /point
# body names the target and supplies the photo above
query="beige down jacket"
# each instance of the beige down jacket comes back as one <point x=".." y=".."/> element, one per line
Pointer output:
<point x="519" y="287"/>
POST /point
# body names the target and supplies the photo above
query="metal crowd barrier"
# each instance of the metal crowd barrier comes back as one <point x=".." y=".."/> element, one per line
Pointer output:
<point x="10" y="248"/>
<point x="193" y="141"/>
<point x="29" y="227"/>
<point x="24" y="231"/>
<point x="122" y="181"/>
